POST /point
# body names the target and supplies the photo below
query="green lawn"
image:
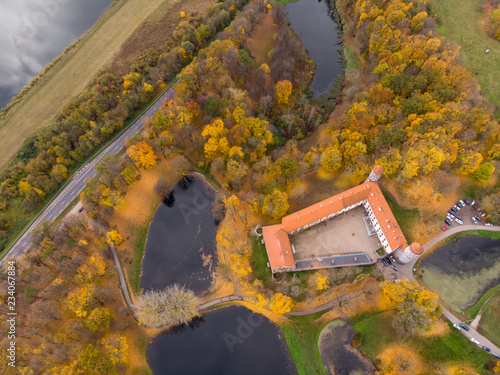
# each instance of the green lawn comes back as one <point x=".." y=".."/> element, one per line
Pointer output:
<point x="351" y="57"/>
<point x="301" y="335"/>
<point x="459" y="21"/>
<point x="258" y="260"/>
<point x="490" y="317"/>
<point x="406" y="219"/>
<point x="451" y="348"/>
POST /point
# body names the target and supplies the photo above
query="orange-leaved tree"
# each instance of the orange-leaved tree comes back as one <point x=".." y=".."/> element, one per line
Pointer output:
<point x="142" y="155"/>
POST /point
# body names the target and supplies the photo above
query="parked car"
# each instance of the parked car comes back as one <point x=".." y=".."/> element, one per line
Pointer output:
<point x="496" y="354"/>
<point x="449" y="217"/>
<point x="388" y="261"/>
<point x="466" y="201"/>
<point x="453" y="210"/>
<point x="80" y="209"/>
<point x="451" y="213"/>
<point x="474" y="340"/>
<point x="385" y="262"/>
<point x="464" y="326"/>
<point x="473" y="220"/>
<point x="473" y="203"/>
<point x="486" y="348"/>
<point x="456" y="326"/>
<point x="459" y="218"/>
<point x="462" y="203"/>
<point x="488" y="224"/>
<point x="392" y="258"/>
<point x="477" y="218"/>
<point x="445" y="227"/>
<point x="394" y="267"/>
<point x="459" y="221"/>
<point x="457" y="207"/>
<point x="448" y="222"/>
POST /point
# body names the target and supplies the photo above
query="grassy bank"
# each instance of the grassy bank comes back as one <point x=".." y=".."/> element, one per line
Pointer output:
<point x="406" y="219"/>
<point x="460" y="22"/>
<point x="447" y="349"/>
<point x="301" y="335"/>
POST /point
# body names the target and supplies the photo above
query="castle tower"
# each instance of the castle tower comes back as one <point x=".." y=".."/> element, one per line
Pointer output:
<point x="375" y="174"/>
<point x="411" y="252"/>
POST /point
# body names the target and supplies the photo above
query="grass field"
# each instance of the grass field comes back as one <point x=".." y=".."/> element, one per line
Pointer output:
<point x="406" y="219"/>
<point x="114" y="35"/>
<point x="490" y="317"/>
<point x="301" y="335"/>
<point x="351" y="57"/>
<point x="451" y="348"/>
<point x="460" y="22"/>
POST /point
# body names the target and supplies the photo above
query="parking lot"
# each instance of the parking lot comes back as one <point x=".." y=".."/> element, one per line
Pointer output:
<point x="464" y="213"/>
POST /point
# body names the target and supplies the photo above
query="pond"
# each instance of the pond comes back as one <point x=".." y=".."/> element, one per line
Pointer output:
<point x="312" y="21"/>
<point x="337" y="353"/>
<point x="181" y="244"/>
<point x="229" y="340"/>
<point x="461" y="271"/>
<point x="34" y="32"/>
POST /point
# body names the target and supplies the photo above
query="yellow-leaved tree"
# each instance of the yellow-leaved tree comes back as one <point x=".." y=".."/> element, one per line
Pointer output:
<point x="142" y="155"/>
<point x="276" y="204"/>
<point x="283" y="92"/>
<point x="281" y="304"/>
<point x="114" y="238"/>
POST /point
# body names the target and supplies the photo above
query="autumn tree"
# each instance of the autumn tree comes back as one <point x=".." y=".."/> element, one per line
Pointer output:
<point x="114" y="238"/>
<point x="331" y="159"/>
<point x="281" y="304"/>
<point x="275" y="204"/>
<point x="142" y="155"/>
<point x="415" y="307"/>
<point x="98" y="320"/>
<point x="174" y="305"/>
<point x="483" y="172"/>
<point x="283" y="92"/>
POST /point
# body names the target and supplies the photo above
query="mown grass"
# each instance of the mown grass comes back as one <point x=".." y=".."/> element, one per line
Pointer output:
<point x="490" y="316"/>
<point x="134" y="274"/>
<point x="447" y="349"/>
<point x="73" y="73"/>
<point x="258" y="261"/>
<point x="301" y="335"/>
<point x="406" y="219"/>
<point x="351" y="57"/>
<point x="460" y="22"/>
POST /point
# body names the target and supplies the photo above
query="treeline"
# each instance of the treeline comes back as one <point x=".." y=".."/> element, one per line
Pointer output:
<point x="98" y="113"/>
<point x="421" y="112"/>
<point x="70" y="315"/>
<point x="495" y="21"/>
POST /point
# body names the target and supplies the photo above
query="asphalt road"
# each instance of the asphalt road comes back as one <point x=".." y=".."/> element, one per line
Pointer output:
<point x="80" y="178"/>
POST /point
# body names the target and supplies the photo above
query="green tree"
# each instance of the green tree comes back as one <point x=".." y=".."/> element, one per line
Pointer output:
<point x="484" y="172"/>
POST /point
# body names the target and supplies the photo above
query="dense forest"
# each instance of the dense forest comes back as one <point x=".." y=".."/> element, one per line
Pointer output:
<point x="47" y="160"/>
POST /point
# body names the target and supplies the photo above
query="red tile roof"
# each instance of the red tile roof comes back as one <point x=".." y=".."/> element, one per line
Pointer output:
<point x="276" y="236"/>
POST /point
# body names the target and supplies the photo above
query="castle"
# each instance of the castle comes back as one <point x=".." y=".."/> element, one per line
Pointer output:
<point x="380" y="219"/>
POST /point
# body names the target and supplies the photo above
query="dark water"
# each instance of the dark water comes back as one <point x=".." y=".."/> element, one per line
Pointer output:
<point x="181" y="245"/>
<point x="228" y="341"/>
<point x="34" y="32"/>
<point x="466" y="258"/>
<point x="312" y="22"/>
<point x="337" y="352"/>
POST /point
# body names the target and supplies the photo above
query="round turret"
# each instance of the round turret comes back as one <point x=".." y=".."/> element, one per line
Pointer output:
<point x="375" y="174"/>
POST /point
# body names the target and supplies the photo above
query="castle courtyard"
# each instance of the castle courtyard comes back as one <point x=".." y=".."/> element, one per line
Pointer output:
<point x="343" y="234"/>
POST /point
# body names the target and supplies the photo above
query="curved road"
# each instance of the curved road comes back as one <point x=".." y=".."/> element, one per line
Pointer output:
<point x="79" y="179"/>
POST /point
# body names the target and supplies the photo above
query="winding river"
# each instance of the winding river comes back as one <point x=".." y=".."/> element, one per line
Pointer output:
<point x="312" y="21"/>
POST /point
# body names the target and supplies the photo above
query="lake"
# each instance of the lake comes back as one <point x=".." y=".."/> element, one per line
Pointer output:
<point x="461" y="271"/>
<point x="181" y="243"/>
<point x="312" y="21"/>
<point x="227" y="341"/>
<point x="34" y="32"/>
